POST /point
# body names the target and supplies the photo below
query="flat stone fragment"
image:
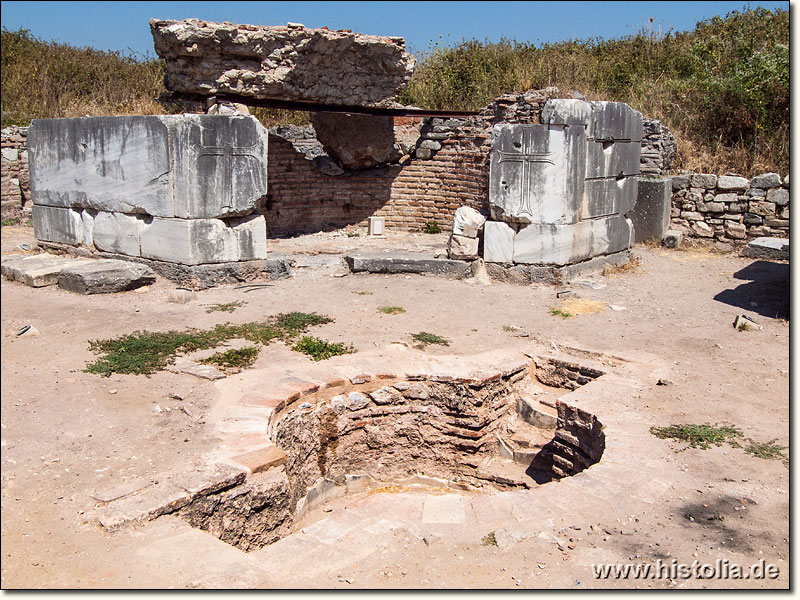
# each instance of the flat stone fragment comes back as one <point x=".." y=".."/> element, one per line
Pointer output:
<point x="38" y="270"/>
<point x="767" y="247"/>
<point x="405" y="262"/>
<point x="105" y="276"/>
<point x="184" y="365"/>
<point x="262" y="459"/>
<point x="151" y="503"/>
<point x="284" y="63"/>
<point x="651" y="214"/>
<point x="121" y="491"/>
<point x="210" y="480"/>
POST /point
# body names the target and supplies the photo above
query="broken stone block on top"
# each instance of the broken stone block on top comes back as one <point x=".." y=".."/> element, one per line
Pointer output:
<point x="467" y="222"/>
<point x="462" y="248"/>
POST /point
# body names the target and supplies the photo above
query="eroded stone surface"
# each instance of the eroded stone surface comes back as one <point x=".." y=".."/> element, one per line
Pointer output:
<point x="651" y="215"/>
<point x="286" y="63"/>
<point x="105" y="276"/>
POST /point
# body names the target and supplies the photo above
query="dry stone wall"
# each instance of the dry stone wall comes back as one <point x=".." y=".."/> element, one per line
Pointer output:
<point x="15" y="200"/>
<point x="729" y="207"/>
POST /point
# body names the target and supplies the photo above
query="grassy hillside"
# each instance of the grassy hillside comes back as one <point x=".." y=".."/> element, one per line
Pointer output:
<point x="723" y="88"/>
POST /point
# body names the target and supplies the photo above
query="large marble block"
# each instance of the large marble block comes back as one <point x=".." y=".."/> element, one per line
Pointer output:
<point x="60" y="225"/>
<point x="549" y="244"/>
<point x="202" y="241"/>
<point x="616" y="121"/>
<point x="187" y="166"/>
<point x="612" y="159"/>
<point x="604" y="197"/>
<point x="536" y="173"/>
<point x="220" y="166"/>
<point x="118" y="164"/>
<point x="118" y="233"/>
<point x="567" y="112"/>
<point x="651" y="214"/>
<point x="498" y="242"/>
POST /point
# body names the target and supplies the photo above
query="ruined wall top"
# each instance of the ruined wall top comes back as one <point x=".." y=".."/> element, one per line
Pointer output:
<point x="282" y="63"/>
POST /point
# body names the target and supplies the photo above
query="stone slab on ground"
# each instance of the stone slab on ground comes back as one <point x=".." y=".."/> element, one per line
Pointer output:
<point x="201" y="277"/>
<point x="37" y="270"/>
<point x="770" y="248"/>
<point x="289" y="62"/>
<point x="105" y="276"/>
<point x="405" y="262"/>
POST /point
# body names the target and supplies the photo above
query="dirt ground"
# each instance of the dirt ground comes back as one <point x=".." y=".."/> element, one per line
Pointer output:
<point x="67" y="433"/>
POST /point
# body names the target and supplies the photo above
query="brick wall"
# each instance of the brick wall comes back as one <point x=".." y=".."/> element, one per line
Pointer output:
<point x="15" y="190"/>
<point x="302" y="199"/>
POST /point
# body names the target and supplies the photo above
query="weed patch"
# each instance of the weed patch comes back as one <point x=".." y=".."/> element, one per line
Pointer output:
<point x="767" y="450"/>
<point x="430" y="338"/>
<point x="9" y="222"/>
<point x="229" y="307"/>
<point x="233" y="360"/>
<point x="318" y="349"/>
<point x="145" y="352"/>
<point x="431" y="227"/>
<point x="560" y="312"/>
<point x="700" y="436"/>
<point x="489" y="539"/>
<point x="391" y="310"/>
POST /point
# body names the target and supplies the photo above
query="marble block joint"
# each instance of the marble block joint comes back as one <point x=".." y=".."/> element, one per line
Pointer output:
<point x="560" y="192"/>
<point x="175" y="188"/>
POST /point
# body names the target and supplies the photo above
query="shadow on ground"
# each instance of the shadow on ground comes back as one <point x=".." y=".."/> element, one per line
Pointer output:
<point x="766" y="292"/>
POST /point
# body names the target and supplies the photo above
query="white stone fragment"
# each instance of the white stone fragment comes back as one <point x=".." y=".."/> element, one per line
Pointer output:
<point x="498" y="242"/>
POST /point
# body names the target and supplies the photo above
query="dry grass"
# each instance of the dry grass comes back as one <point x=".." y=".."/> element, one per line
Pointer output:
<point x="632" y="266"/>
<point x="582" y="306"/>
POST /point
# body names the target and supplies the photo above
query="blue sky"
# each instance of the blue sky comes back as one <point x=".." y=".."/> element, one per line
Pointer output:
<point x="124" y="26"/>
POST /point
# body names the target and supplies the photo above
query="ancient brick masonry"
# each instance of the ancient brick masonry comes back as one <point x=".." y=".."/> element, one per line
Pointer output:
<point x="730" y="208"/>
<point x="14" y="177"/>
<point x="450" y="169"/>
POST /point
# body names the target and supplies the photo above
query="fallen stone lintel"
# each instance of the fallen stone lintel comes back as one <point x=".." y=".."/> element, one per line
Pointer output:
<point x="770" y="248"/>
<point x="197" y="277"/>
<point x="525" y="274"/>
<point x="406" y="262"/>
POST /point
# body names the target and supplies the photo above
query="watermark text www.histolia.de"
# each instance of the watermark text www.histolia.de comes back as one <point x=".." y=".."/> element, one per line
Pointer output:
<point x="722" y="569"/>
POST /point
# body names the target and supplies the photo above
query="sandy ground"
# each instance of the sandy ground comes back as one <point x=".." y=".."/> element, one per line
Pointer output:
<point x="66" y="433"/>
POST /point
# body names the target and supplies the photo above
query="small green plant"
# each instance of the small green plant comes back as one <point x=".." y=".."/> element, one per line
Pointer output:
<point x="145" y="352"/>
<point x="229" y="307"/>
<point x="560" y="312"/>
<point x="319" y="349"/>
<point x="430" y="338"/>
<point x="489" y="539"/>
<point x="9" y="222"/>
<point x="700" y="436"/>
<point x="234" y="360"/>
<point x="768" y="450"/>
<point x="431" y="227"/>
<point x="391" y="310"/>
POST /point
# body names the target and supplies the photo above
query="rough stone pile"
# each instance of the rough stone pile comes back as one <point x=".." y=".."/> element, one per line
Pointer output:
<point x="286" y="63"/>
<point x="730" y="207"/>
<point x="14" y="178"/>
<point x="467" y="225"/>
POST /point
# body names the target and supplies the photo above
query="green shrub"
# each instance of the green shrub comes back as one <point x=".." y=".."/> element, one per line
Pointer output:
<point x="319" y="349"/>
